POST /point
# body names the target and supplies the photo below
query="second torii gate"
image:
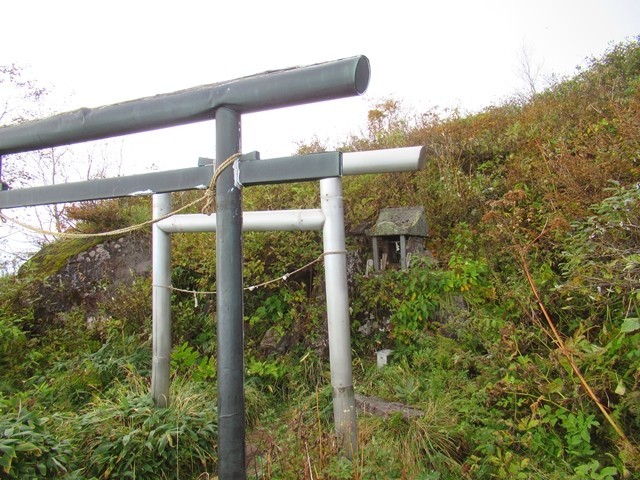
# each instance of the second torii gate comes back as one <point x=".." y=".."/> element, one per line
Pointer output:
<point x="330" y="220"/>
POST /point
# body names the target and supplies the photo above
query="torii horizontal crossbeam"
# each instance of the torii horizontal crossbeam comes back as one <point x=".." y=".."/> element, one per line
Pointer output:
<point x="297" y="168"/>
<point x="255" y="93"/>
<point x="252" y="172"/>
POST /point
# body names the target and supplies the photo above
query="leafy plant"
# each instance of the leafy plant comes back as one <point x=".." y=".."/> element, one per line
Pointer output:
<point x="185" y="360"/>
<point x="267" y="374"/>
<point x="593" y="470"/>
<point x="28" y="448"/>
<point x="577" y="436"/>
<point x="412" y="297"/>
<point x="127" y="437"/>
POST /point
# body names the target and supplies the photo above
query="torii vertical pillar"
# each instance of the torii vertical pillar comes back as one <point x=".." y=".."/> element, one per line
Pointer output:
<point x="161" y="330"/>
<point x="231" y="432"/>
<point x="335" y="264"/>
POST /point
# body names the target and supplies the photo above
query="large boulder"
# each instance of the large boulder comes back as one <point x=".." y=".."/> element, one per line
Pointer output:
<point x="83" y="273"/>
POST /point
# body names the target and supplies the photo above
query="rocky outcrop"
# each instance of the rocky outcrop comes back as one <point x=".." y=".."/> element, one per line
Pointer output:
<point x="69" y="276"/>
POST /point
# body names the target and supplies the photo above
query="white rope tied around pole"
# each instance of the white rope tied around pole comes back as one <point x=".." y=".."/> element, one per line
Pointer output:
<point x="282" y="278"/>
<point x="208" y="196"/>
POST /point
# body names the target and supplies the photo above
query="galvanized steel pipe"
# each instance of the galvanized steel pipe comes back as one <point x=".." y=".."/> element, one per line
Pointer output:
<point x="161" y="298"/>
<point x="275" y="89"/>
<point x="406" y="159"/>
<point x="230" y="312"/>
<point x="264" y="221"/>
<point x="335" y="265"/>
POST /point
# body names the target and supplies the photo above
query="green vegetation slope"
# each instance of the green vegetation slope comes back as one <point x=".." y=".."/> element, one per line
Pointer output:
<point x="519" y="340"/>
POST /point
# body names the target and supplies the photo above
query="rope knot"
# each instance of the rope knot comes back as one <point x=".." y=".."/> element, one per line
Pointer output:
<point x="210" y="194"/>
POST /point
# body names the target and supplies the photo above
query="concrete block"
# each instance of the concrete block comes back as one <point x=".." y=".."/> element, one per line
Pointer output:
<point x="384" y="357"/>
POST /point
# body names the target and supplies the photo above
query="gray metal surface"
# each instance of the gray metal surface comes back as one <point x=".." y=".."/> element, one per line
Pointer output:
<point x="161" y="298"/>
<point x="265" y="91"/>
<point x="144" y="184"/>
<point x="298" y="168"/>
<point x="404" y="159"/>
<point x="262" y="221"/>
<point x="337" y="292"/>
<point x="230" y="312"/>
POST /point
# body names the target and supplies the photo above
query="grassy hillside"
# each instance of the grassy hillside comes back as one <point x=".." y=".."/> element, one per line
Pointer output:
<point x="519" y="340"/>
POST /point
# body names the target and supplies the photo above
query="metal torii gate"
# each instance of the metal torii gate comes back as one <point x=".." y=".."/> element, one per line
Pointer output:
<point x="226" y="102"/>
<point x="330" y="220"/>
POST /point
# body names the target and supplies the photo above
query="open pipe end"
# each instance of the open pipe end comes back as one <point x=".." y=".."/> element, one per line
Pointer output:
<point x="422" y="158"/>
<point x="363" y="74"/>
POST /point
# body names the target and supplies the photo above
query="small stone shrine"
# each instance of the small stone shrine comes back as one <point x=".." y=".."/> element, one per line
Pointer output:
<point x="397" y="235"/>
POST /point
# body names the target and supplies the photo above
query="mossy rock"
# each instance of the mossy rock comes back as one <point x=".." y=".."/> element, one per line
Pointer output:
<point x="81" y="273"/>
<point x="54" y="256"/>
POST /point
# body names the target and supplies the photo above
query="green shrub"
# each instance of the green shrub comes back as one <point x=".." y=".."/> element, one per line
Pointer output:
<point x="411" y="298"/>
<point x="127" y="437"/>
<point x="187" y="361"/>
<point x="28" y="448"/>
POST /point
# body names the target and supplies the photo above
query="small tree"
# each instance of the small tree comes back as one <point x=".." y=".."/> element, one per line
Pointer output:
<point x="22" y="99"/>
<point x="530" y="73"/>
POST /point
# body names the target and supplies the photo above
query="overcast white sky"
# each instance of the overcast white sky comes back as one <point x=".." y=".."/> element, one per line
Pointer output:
<point x="460" y="53"/>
